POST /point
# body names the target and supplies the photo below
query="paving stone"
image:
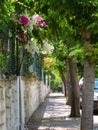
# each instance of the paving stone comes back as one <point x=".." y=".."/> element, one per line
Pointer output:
<point x="53" y="114"/>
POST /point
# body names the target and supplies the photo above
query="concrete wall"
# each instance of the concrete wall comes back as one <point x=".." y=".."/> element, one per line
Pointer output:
<point x="19" y="98"/>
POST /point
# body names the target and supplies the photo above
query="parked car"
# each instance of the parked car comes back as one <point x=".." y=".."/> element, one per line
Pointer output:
<point x="80" y="83"/>
<point x="95" y="93"/>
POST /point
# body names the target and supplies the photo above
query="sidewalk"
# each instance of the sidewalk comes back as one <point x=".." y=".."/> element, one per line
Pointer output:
<point x="53" y="114"/>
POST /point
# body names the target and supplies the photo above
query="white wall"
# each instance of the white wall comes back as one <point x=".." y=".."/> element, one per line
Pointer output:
<point x="2" y="107"/>
<point x="19" y="98"/>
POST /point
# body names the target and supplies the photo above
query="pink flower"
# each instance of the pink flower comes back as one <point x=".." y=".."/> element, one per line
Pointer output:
<point x="38" y="19"/>
<point x="24" y="20"/>
<point x="42" y="24"/>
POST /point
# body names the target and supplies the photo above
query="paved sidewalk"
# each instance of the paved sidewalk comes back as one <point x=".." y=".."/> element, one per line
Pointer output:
<point x="53" y="114"/>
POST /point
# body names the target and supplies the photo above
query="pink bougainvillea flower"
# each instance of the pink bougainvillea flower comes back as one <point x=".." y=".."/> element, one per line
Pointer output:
<point x="42" y="24"/>
<point x="38" y="19"/>
<point x="23" y="37"/>
<point x="24" y="20"/>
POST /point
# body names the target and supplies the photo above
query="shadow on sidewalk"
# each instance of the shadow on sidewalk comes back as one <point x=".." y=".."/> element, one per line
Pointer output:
<point x="53" y="114"/>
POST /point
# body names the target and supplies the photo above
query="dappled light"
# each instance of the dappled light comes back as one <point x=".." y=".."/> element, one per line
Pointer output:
<point x="54" y="115"/>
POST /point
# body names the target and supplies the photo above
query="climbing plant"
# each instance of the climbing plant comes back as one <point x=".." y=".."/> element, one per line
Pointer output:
<point x="20" y="28"/>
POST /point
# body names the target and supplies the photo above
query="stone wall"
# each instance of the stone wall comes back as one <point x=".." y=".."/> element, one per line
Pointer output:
<point x="2" y="108"/>
<point x="19" y="98"/>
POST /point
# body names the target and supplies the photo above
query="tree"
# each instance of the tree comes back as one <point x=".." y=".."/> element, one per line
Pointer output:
<point x="75" y="103"/>
<point x="68" y="85"/>
<point x="58" y="29"/>
<point x="82" y="16"/>
<point x="88" y="87"/>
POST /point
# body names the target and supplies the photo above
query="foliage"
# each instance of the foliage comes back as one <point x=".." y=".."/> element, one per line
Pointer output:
<point x="3" y="62"/>
<point x="55" y="81"/>
<point x="47" y="64"/>
<point x="96" y="72"/>
<point x="65" y="22"/>
<point x="92" y="52"/>
<point x="20" y="27"/>
<point x="6" y="10"/>
<point x="77" y="53"/>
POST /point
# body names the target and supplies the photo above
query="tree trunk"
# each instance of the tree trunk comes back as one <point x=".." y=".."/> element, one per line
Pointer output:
<point x="63" y="88"/>
<point x="63" y="80"/>
<point x="68" y="85"/>
<point x="75" y="104"/>
<point x="88" y="88"/>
